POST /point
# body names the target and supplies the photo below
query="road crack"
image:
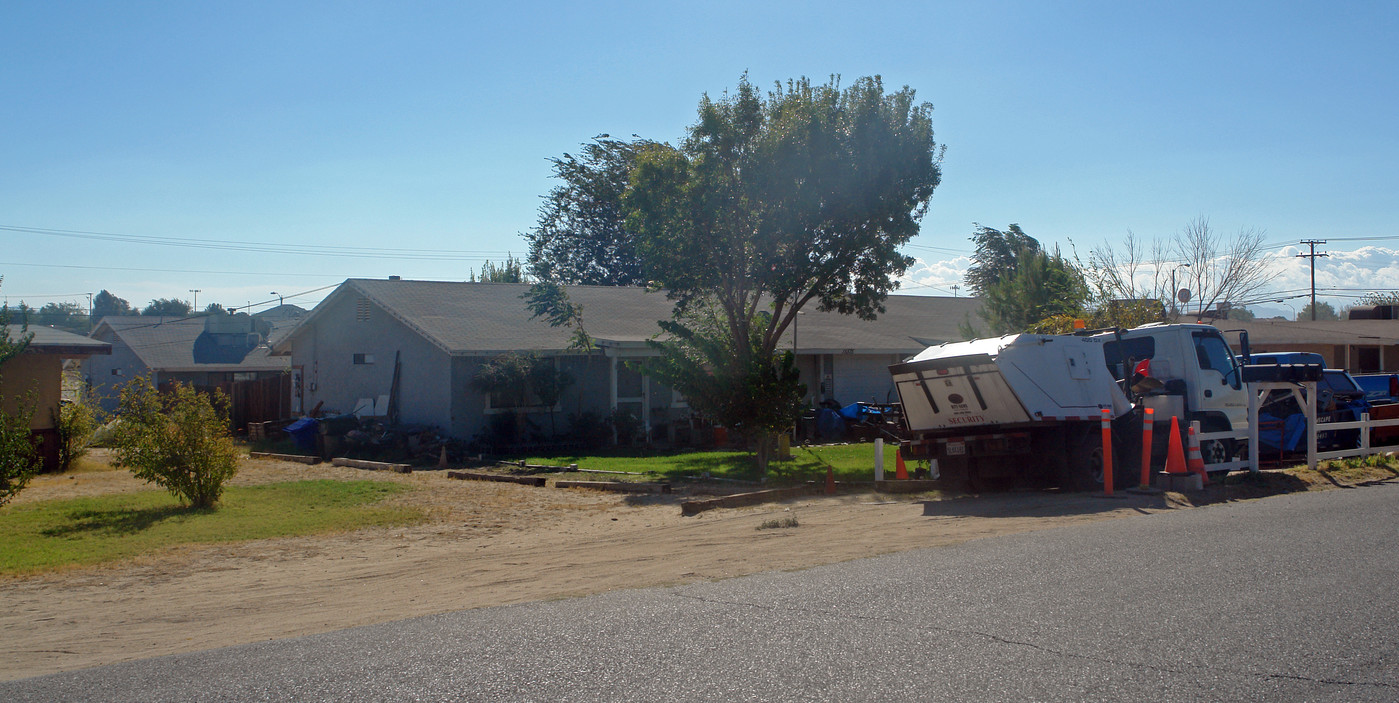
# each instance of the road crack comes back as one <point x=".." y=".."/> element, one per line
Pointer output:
<point x="1000" y="639"/>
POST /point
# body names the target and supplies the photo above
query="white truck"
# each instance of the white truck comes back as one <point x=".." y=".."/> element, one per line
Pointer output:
<point x="1028" y="407"/>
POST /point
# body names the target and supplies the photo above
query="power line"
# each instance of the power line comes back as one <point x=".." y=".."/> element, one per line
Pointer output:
<point x="170" y="270"/>
<point x="267" y="247"/>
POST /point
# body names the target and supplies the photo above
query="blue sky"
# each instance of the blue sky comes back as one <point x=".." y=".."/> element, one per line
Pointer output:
<point x="305" y="142"/>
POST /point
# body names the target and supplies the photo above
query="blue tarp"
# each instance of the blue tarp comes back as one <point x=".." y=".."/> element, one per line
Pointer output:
<point x="1292" y="434"/>
<point x="303" y="432"/>
<point x="857" y="411"/>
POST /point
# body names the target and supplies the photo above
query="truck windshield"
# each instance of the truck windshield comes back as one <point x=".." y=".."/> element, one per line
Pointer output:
<point x="1213" y="353"/>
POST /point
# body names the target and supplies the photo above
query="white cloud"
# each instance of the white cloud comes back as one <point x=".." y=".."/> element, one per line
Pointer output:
<point x="936" y="277"/>
<point x="1341" y="276"/>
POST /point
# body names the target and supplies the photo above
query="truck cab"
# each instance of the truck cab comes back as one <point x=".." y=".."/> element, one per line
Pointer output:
<point x="1200" y="377"/>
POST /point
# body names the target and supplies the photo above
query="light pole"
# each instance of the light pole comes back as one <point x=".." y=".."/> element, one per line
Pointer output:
<point x="1175" y="311"/>
<point x="195" y="304"/>
<point x="279" y="297"/>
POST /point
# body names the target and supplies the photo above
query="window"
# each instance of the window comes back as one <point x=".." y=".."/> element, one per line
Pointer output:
<point x="519" y="390"/>
<point x="364" y="359"/>
<point x="362" y="310"/>
<point x="1214" y="354"/>
<point x="629" y="383"/>
<point x="1132" y="350"/>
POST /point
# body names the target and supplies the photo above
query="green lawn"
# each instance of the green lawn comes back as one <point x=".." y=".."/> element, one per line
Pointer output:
<point x="51" y="534"/>
<point x="852" y="462"/>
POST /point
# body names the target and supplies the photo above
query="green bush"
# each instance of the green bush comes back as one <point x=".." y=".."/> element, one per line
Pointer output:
<point x="178" y="440"/>
<point x="19" y="458"/>
<point x="76" y="423"/>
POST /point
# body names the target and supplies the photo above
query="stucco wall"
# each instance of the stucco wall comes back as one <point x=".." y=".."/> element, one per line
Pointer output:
<point x="326" y="349"/>
<point x="41" y="374"/>
<point x="864" y="378"/>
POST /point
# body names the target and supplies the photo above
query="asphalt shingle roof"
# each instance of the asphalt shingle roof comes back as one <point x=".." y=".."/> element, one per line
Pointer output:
<point x="48" y="340"/>
<point x="476" y="318"/>
<point x="174" y="344"/>
<point x="1353" y="332"/>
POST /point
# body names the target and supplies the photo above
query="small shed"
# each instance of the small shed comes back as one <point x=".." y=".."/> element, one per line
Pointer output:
<point x="37" y="373"/>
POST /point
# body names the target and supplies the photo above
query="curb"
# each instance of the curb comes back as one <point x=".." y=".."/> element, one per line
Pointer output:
<point x="620" y="486"/>
<point x="298" y="458"/>
<point x="739" y="500"/>
<point x="373" y="465"/>
<point x="472" y="476"/>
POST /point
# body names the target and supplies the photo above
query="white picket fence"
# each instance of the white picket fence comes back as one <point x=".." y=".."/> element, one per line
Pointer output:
<point x="1301" y="392"/>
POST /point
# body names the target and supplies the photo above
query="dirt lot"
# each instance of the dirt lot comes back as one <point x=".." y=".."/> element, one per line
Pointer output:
<point x="486" y="544"/>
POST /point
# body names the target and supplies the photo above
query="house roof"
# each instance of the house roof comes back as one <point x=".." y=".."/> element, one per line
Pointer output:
<point x="176" y="344"/>
<point x="490" y="318"/>
<point x="1351" y="332"/>
<point x="48" y="340"/>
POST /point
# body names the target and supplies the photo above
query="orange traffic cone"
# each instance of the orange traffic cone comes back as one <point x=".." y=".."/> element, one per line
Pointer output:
<point x="900" y="471"/>
<point x="1196" y="462"/>
<point x="1175" y="455"/>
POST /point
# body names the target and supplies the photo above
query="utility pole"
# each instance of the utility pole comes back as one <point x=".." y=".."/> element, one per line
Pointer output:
<point x="1311" y="245"/>
<point x="954" y="290"/>
<point x="195" y="304"/>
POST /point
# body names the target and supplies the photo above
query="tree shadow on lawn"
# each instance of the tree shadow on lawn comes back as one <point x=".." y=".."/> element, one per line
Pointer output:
<point x="118" y="521"/>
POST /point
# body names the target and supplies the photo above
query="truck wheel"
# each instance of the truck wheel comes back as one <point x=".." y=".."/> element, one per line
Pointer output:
<point x="1086" y="462"/>
<point x="1217" y="451"/>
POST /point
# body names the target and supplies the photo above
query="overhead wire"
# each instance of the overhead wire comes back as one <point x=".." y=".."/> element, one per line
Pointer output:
<point x="267" y="247"/>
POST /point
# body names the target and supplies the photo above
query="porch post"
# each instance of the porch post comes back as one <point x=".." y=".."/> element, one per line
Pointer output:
<point x="646" y="406"/>
<point x="612" y="384"/>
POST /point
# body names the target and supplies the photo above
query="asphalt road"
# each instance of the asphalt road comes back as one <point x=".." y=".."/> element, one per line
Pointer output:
<point x="1286" y="599"/>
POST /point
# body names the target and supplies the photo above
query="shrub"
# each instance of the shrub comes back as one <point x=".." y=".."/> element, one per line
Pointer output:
<point x="19" y="459"/>
<point x="590" y="429"/>
<point x="177" y="440"/>
<point x="76" y="423"/>
<point x="627" y="425"/>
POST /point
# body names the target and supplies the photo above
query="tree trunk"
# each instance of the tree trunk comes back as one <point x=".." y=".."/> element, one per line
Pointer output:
<point x="764" y="442"/>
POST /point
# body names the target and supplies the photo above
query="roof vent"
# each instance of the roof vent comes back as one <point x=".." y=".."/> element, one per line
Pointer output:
<point x="395" y="278"/>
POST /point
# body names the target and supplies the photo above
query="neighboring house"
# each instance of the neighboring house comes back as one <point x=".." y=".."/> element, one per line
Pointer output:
<point x="416" y="346"/>
<point x="1358" y="346"/>
<point x="37" y="375"/>
<point x="286" y="312"/>
<point x="225" y="352"/>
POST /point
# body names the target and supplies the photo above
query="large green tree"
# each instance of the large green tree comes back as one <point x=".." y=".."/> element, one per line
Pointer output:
<point x="105" y="303"/>
<point x="998" y="254"/>
<point x="802" y="196"/>
<point x="512" y="270"/>
<point x="64" y="316"/>
<point x="167" y="307"/>
<point x="1021" y="283"/>
<point x="582" y="236"/>
<point x="1324" y="311"/>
